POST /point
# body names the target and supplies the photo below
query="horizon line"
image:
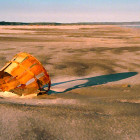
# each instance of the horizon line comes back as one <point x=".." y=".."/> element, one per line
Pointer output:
<point x="71" y="22"/>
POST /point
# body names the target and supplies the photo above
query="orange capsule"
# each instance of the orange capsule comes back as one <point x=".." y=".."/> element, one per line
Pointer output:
<point x="24" y="72"/>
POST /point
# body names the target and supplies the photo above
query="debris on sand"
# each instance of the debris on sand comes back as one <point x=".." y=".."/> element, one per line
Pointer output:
<point x="126" y="85"/>
<point x="24" y="75"/>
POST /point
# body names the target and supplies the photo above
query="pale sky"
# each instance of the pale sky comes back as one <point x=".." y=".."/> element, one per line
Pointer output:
<point x="69" y="10"/>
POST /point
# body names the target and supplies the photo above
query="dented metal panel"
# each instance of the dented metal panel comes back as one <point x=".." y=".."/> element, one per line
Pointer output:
<point x="23" y="72"/>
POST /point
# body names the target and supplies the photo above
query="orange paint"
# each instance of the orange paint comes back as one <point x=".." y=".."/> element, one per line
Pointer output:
<point x="23" y="71"/>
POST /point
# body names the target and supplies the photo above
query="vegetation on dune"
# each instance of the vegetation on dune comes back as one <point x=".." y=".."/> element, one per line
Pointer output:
<point x="78" y="23"/>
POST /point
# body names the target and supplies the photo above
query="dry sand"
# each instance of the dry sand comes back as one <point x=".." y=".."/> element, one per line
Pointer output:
<point x="108" y="109"/>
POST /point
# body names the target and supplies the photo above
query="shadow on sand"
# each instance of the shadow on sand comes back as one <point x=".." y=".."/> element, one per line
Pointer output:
<point x="98" y="80"/>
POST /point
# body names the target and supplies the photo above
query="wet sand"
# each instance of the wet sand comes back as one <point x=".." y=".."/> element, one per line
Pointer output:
<point x="104" y="106"/>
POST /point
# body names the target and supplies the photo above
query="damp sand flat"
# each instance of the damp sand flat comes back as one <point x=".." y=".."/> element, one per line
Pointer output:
<point x="102" y="111"/>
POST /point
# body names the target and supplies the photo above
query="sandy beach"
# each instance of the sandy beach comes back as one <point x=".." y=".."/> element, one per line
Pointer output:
<point x="95" y="83"/>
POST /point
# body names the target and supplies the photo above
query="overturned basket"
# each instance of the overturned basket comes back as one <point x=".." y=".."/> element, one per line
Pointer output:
<point x="24" y="74"/>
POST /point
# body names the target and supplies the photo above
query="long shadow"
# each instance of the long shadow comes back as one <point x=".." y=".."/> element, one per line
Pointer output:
<point x="98" y="80"/>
